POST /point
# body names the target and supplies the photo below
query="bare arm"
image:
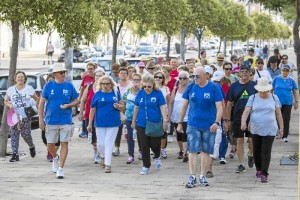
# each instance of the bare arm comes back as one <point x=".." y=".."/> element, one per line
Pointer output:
<point x="41" y="113"/>
<point x="296" y="97"/>
<point x="6" y="103"/>
<point x="185" y="104"/>
<point x="227" y="114"/>
<point x="134" y="115"/>
<point x="75" y="102"/>
<point x="171" y="104"/>
<point x="279" y="121"/>
<point x="91" y="118"/>
<point x="245" y="116"/>
<point x="214" y="126"/>
<point x="82" y="103"/>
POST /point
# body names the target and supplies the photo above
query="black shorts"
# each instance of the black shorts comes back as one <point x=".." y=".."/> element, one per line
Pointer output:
<point x="181" y="137"/>
<point x="238" y="133"/>
<point x="50" y="53"/>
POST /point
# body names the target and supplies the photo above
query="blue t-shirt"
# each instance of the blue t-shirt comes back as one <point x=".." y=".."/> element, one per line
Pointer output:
<point x="106" y="114"/>
<point x="283" y="89"/>
<point x="239" y="104"/>
<point x="153" y="102"/>
<point x="57" y="94"/>
<point x="202" y="104"/>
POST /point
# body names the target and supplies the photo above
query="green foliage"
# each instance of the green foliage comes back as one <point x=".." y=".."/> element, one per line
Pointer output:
<point x="265" y="27"/>
<point x="276" y="5"/>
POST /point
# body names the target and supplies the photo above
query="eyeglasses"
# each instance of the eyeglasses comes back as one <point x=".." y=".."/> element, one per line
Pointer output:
<point x="195" y="76"/>
<point x="159" y="77"/>
<point x="284" y="58"/>
<point x="141" y="67"/>
<point x="90" y="69"/>
<point x="136" y="79"/>
<point x="260" y="63"/>
<point x="235" y="59"/>
<point x="244" y="71"/>
<point x="147" y="86"/>
<point x="98" y="75"/>
<point x="62" y="73"/>
<point x="284" y="70"/>
<point x="228" y="69"/>
<point x="131" y="71"/>
<point x="106" y="84"/>
<point x="150" y="68"/>
<point x="183" y="78"/>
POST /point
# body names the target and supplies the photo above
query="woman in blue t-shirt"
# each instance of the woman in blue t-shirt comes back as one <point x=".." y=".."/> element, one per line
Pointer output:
<point x="286" y="89"/>
<point x="106" y="104"/>
<point x="149" y="105"/>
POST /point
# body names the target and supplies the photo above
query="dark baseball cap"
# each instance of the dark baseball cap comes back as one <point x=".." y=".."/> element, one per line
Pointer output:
<point x="273" y="59"/>
<point x="244" y="67"/>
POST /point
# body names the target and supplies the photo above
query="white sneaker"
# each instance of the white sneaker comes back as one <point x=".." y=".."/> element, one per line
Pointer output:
<point x="223" y="161"/>
<point x="284" y="139"/>
<point x="170" y="138"/>
<point x="60" y="173"/>
<point x="97" y="159"/>
<point x="55" y="164"/>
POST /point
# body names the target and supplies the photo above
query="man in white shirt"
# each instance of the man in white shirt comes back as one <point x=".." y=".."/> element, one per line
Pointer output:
<point x="285" y="61"/>
<point x="260" y="71"/>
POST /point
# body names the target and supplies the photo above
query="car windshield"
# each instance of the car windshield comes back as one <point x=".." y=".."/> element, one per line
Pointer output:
<point x="119" y="52"/>
<point x="105" y="64"/>
<point x="77" y="72"/>
<point x="133" y="62"/>
<point x="147" y="49"/>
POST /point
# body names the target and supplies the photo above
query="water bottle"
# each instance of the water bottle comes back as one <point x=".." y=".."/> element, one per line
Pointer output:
<point x="125" y="132"/>
<point x="90" y="137"/>
<point x="134" y="136"/>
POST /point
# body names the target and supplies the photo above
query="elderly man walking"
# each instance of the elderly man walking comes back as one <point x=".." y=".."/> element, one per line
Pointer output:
<point x="205" y="111"/>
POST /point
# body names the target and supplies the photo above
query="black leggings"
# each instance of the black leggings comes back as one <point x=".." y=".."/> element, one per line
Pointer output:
<point x="262" y="147"/>
<point x="286" y="116"/>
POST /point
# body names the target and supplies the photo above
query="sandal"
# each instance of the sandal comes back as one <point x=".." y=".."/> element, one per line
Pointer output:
<point x="107" y="169"/>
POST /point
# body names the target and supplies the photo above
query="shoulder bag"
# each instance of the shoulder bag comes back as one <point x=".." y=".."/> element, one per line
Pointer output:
<point x="29" y="111"/>
<point x="153" y="129"/>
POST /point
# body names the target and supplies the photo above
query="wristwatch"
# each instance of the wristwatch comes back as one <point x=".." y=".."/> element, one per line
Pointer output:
<point x="179" y="123"/>
<point x="217" y="123"/>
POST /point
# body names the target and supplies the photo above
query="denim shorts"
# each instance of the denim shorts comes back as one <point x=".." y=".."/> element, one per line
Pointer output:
<point x="200" y="140"/>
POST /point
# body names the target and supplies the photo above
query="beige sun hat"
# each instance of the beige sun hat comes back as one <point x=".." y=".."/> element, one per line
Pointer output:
<point x="263" y="85"/>
<point x="58" y="68"/>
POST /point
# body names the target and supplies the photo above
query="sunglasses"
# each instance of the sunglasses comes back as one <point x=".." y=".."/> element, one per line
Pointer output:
<point x="62" y="73"/>
<point x="159" y="77"/>
<point x="150" y="68"/>
<point x="284" y="58"/>
<point x="195" y="76"/>
<point x="260" y="63"/>
<point x="141" y="67"/>
<point x="284" y="70"/>
<point x="90" y="68"/>
<point x="228" y="69"/>
<point x="244" y="71"/>
<point x="183" y="78"/>
<point x="105" y="84"/>
<point x="147" y="86"/>
<point x="136" y="79"/>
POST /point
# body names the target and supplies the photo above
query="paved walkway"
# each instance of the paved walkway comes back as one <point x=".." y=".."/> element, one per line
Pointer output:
<point x="32" y="179"/>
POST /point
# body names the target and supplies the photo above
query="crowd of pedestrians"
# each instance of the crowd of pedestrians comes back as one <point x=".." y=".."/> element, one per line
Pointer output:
<point x="207" y="107"/>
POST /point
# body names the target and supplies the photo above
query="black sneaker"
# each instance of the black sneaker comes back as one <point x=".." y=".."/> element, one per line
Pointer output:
<point x="185" y="158"/>
<point x="14" y="158"/>
<point x="180" y="155"/>
<point x="240" y="169"/>
<point x="250" y="161"/>
<point x="32" y="151"/>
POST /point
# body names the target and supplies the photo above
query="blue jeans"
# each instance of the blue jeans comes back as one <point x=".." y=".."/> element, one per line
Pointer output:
<point x="200" y="140"/>
<point x="223" y="146"/>
<point x="130" y="141"/>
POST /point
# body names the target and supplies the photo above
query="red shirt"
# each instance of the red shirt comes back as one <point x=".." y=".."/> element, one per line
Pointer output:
<point x="174" y="73"/>
<point x="171" y="84"/>
<point x="88" y="102"/>
<point x="86" y="81"/>
<point x="225" y="88"/>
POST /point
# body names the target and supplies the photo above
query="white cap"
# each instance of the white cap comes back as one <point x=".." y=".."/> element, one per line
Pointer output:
<point x="209" y="70"/>
<point x="218" y="75"/>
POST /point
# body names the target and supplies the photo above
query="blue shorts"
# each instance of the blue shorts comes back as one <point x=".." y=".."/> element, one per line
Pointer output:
<point x="200" y="140"/>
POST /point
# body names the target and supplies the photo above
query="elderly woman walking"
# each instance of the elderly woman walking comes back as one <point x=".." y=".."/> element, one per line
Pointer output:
<point x="264" y="108"/>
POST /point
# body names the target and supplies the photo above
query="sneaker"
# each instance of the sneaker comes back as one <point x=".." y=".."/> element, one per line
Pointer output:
<point x="95" y="153"/>
<point x="97" y="159"/>
<point x="185" y="157"/>
<point x="223" y="161"/>
<point x="231" y="154"/>
<point x="130" y="160"/>
<point x="140" y="156"/>
<point x="285" y="140"/>
<point x="60" y="173"/>
<point x="263" y="178"/>
<point x="32" y="151"/>
<point x="203" y="181"/>
<point x="250" y="161"/>
<point x="107" y="169"/>
<point x="102" y="165"/>
<point x="240" y="169"/>
<point x="14" y="158"/>
<point x="55" y="164"/>
<point x="170" y="138"/>
<point x="116" y="152"/>
<point x="191" y="182"/>
<point x="50" y="157"/>
<point x="157" y="163"/>
<point x="209" y="174"/>
<point x="144" y="171"/>
<point x="83" y="135"/>
<point x="180" y="155"/>
<point x="164" y="153"/>
<point x="258" y="174"/>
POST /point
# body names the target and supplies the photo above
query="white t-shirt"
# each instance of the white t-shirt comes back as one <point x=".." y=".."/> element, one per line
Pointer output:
<point x="20" y="98"/>
<point x="176" y="109"/>
<point x="123" y="89"/>
<point x="165" y="90"/>
<point x="263" y="73"/>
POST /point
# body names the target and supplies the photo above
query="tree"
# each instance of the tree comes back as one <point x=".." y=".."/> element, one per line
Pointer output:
<point x="169" y="16"/>
<point x="33" y="15"/>
<point x="116" y="12"/>
<point x="280" y="6"/>
<point x="265" y="27"/>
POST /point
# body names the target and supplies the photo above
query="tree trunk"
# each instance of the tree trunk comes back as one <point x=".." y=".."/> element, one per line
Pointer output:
<point x="115" y="31"/>
<point x="12" y="70"/>
<point x="168" y="46"/>
<point x="182" y="43"/>
<point x="69" y="63"/>
<point x="296" y="39"/>
<point x="220" y="45"/>
<point x="224" y="50"/>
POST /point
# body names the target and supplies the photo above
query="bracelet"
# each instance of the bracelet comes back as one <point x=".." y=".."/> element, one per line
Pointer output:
<point x="217" y="123"/>
<point x="179" y="123"/>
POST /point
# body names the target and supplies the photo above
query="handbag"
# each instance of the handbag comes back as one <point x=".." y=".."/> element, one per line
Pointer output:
<point x="153" y="129"/>
<point x="123" y="117"/>
<point x="29" y="111"/>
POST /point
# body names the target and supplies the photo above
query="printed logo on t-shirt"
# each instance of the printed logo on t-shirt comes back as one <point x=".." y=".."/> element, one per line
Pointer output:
<point x="65" y="92"/>
<point x="102" y="99"/>
<point x="115" y="99"/>
<point x="141" y="101"/>
<point x="153" y="99"/>
<point x="206" y="95"/>
<point x="245" y="95"/>
<point x="193" y="95"/>
<point x="52" y="92"/>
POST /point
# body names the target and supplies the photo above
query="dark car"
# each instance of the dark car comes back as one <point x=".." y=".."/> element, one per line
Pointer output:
<point x="145" y="51"/>
<point x="76" y="56"/>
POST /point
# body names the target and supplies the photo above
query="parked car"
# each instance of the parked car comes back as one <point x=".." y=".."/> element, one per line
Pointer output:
<point x="99" y="52"/>
<point x="130" y="51"/>
<point x="76" y="55"/>
<point x="145" y="51"/>
<point x="85" y="54"/>
<point x="213" y="56"/>
<point x="36" y="79"/>
<point x="192" y="46"/>
<point x="104" y="62"/>
<point x="119" y="52"/>
<point x="132" y="61"/>
<point x="163" y="50"/>
<point x="158" y="59"/>
<point x="213" y="44"/>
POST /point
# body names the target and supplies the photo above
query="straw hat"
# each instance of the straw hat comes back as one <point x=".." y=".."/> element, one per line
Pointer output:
<point x="58" y="68"/>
